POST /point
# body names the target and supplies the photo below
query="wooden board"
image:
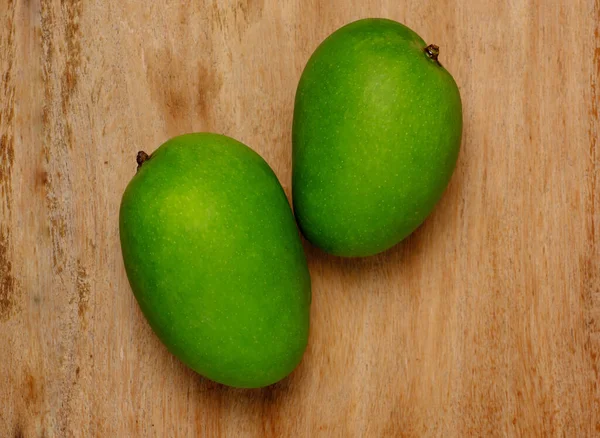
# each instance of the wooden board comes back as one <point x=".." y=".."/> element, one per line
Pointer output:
<point x="486" y="322"/>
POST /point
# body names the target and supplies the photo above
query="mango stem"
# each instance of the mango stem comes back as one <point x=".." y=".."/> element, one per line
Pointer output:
<point x="433" y="51"/>
<point x="141" y="158"/>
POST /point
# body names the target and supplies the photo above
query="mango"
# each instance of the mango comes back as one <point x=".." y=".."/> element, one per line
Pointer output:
<point x="376" y="134"/>
<point x="214" y="259"/>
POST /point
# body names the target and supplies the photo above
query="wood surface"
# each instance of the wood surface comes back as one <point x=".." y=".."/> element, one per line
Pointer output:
<point x="485" y="322"/>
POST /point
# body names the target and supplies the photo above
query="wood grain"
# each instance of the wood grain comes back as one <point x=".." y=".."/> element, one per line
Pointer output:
<point x="485" y="322"/>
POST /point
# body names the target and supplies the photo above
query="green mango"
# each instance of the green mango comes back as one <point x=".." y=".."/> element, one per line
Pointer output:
<point x="376" y="135"/>
<point x="215" y="261"/>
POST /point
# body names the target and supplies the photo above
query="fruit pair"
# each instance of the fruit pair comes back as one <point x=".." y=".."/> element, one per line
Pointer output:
<point x="209" y="241"/>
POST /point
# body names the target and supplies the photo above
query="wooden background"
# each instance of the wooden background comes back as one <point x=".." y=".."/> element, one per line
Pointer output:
<point x="486" y="322"/>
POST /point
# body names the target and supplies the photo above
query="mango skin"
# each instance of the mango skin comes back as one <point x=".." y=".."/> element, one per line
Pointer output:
<point x="214" y="259"/>
<point x="376" y="134"/>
